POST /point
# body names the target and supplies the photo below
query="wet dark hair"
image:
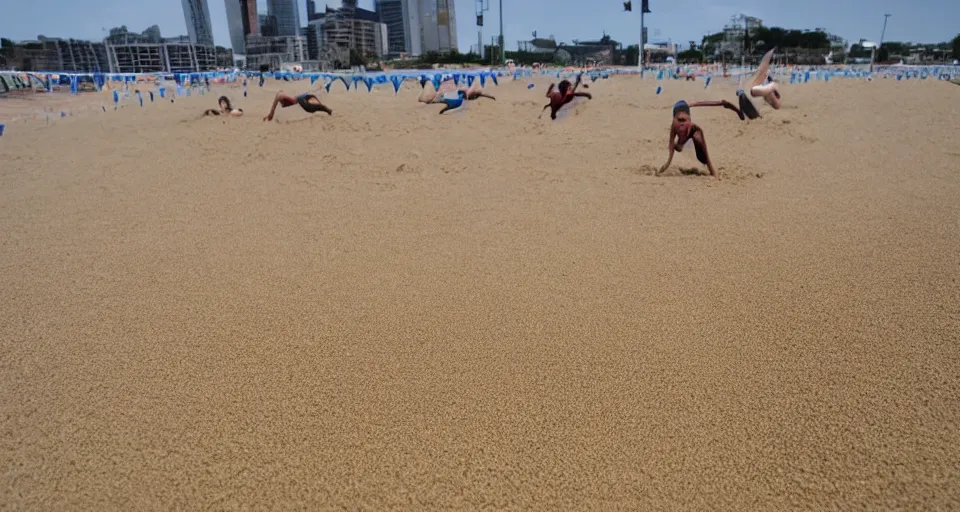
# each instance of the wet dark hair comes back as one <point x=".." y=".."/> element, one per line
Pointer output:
<point x="563" y="86"/>
<point x="680" y="106"/>
<point x="224" y="99"/>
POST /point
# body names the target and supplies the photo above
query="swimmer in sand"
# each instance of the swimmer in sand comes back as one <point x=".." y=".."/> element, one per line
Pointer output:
<point x="452" y="103"/>
<point x="683" y="130"/>
<point x="431" y="95"/>
<point x="564" y="94"/>
<point x="225" y="109"/>
<point x="307" y="101"/>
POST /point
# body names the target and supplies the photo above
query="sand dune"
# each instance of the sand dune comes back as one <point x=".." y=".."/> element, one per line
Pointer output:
<point x="388" y="308"/>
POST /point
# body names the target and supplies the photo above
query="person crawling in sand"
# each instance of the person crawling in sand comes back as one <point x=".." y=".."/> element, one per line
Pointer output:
<point x="307" y="101"/>
<point x="225" y="109"/>
<point x="564" y="94"/>
<point x="430" y="95"/>
<point x="762" y="86"/>
<point x="683" y="130"/>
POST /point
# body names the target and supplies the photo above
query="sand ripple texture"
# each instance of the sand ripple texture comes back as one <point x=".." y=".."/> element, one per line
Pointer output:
<point x="391" y="309"/>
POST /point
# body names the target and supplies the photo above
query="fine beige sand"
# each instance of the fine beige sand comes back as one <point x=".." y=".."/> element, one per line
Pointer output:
<point x="391" y="309"/>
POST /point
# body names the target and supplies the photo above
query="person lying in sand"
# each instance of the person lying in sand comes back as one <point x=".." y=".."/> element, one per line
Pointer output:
<point x="564" y="94"/>
<point x="683" y="130"/>
<point x="430" y="95"/>
<point x="225" y="109"/>
<point x="307" y="101"/>
<point x="452" y="103"/>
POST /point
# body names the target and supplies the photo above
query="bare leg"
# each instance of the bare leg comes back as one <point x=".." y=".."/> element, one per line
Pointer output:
<point x="280" y="97"/>
<point x="701" y="143"/>
<point x="762" y="71"/>
<point x="769" y="92"/>
<point x="313" y="100"/>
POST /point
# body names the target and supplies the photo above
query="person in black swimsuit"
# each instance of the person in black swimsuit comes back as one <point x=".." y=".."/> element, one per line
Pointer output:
<point x="682" y="130"/>
<point x="307" y="101"/>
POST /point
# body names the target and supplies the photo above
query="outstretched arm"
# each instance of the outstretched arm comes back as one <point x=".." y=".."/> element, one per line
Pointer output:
<point x="673" y="134"/>
<point x="545" y="107"/>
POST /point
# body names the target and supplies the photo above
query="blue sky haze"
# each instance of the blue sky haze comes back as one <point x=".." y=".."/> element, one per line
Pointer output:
<point x="679" y="20"/>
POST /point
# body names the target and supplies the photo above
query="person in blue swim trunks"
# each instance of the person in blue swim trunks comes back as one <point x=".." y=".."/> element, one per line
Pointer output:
<point x="452" y="103"/>
<point x="684" y="130"/>
<point x="307" y="101"/>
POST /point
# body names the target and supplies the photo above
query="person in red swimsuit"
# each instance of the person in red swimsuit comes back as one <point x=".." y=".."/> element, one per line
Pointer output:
<point x="683" y="130"/>
<point x="564" y="94"/>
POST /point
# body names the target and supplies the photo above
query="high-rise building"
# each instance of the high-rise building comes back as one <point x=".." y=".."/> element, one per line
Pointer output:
<point x="197" y="15"/>
<point x="390" y="13"/>
<point x="311" y="10"/>
<point x="267" y="24"/>
<point x="242" y="21"/>
<point x="429" y="26"/>
<point x="152" y="34"/>
<point x="288" y="16"/>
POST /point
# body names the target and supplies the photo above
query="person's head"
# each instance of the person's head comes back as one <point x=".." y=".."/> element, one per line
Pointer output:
<point x="224" y="103"/>
<point x="564" y="86"/>
<point x="681" y="114"/>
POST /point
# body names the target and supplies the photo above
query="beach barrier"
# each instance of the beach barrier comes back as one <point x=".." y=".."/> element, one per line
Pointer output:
<point x="187" y="84"/>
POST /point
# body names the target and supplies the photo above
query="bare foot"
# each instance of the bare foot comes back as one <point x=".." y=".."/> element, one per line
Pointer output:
<point x="268" y="117"/>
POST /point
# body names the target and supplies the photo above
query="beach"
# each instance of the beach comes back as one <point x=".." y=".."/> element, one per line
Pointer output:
<point x="391" y="309"/>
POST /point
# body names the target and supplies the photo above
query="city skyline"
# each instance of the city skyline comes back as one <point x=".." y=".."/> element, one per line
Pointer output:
<point x="196" y="17"/>
<point x="928" y="21"/>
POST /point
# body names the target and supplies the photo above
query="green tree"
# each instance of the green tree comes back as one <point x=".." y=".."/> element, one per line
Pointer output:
<point x="356" y="59"/>
<point x="956" y="47"/>
<point x="631" y="55"/>
<point x="690" y="56"/>
<point x="5" y="43"/>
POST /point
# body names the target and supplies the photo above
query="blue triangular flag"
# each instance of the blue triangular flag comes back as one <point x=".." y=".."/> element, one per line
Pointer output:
<point x="494" y="78"/>
<point x="470" y="79"/>
<point x="436" y="82"/>
<point x="345" y="82"/>
<point x="456" y="79"/>
<point x="151" y="96"/>
<point x="397" y="81"/>
<point x="313" y="78"/>
<point x="327" y="86"/>
<point x="483" y="79"/>
<point x="369" y="82"/>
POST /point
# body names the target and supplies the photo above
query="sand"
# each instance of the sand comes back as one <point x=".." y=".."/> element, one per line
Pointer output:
<point x="391" y="309"/>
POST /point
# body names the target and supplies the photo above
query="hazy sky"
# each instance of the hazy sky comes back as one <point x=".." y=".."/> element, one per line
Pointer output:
<point x="680" y="20"/>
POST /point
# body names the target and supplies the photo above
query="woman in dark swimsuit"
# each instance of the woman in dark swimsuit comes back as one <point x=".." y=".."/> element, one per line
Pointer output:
<point x="307" y="101"/>
<point x="682" y="130"/>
